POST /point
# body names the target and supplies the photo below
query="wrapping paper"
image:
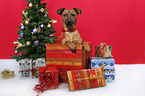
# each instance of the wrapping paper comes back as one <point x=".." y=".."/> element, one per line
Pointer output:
<point x="107" y="65"/>
<point x="86" y="78"/>
<point x="64" y="59"/>
<point x="29" y="69"/>
<point x="53" y="84"/>
<point x="99" y="53"/>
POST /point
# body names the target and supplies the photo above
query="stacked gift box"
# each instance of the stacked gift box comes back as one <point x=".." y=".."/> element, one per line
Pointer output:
<point x="103" y="59"/>
<point x="29" y="67"/>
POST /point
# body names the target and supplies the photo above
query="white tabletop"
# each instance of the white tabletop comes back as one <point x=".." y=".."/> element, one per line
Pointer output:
<point x="130" y="81"/>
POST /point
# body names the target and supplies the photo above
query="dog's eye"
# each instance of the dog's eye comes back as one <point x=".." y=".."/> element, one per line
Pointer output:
<point x="72" y="14"/>
<point x="64" y="15"/>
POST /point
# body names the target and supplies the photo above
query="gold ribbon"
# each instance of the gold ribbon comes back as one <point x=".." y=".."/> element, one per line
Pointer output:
<point x="90" y="77"/>
<point x="103" y="65"/>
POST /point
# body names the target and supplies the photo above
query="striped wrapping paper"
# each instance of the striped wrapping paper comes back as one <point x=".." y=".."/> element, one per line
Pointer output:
<point x="86" y="78"/>
<point x="64" y="59"/>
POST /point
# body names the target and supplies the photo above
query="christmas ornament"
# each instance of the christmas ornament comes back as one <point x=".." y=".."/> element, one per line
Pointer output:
<point x="22" y="27"/>
<point x="19" y="38"/>
<point x="21" y="34"/>
<point x="28" y="1"/>
<point x="34" y="30"/>
<point x="25" y="14"/>
<point x="20" y="54"/>
<point x="38" y="29"/>
<point x="16" y="52"/>
<point x="42" y="10"/>
<point x="53" y="21"/>
<point x="30" y="5"/>
<point x="50" y="35"/>
<point x="41" y="25"/>
<point x="28" y="43"/>
<point x="49" y="25"/>
<point x="26" y="22"/>
<point x="37" y="42"/>
<point x="45" y="15"/>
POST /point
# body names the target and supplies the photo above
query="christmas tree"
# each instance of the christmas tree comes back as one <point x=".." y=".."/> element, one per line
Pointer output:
<point x="35" y="31"/>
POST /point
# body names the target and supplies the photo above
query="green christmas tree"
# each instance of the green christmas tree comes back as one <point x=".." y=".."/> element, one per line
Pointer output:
<point x="35" y="31"/>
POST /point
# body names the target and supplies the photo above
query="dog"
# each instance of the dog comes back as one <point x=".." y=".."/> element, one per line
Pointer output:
<point x="72" y="36"/>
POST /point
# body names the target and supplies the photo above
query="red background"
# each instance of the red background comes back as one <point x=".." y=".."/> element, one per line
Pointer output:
<point x="120" y="23"/>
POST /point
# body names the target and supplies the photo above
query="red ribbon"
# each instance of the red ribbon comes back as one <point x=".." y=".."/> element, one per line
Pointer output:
<point x="47" y="79"/>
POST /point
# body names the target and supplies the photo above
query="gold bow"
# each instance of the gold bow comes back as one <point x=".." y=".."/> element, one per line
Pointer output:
<point x="93" y="76"/>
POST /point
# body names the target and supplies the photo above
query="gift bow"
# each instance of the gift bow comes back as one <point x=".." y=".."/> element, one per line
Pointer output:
<point x="93" y="76"/>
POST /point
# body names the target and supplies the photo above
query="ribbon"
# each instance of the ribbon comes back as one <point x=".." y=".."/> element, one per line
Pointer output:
<point x="32" y="70"/>
<point x="47" y="79"/>
<point x="103" y="65"/>
<point x="6" y="74"/>
<point x="95" y="76"/>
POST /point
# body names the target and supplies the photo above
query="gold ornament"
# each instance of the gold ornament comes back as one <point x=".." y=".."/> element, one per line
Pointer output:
<point x="28" y="43"/>
<point x="25" y="14"/>
<point x="49" y="25"/>
<point x="26" y="22"/>
<point x="22" y="45"/>
<point x="30" y="5"/>
<point x="38" y="29"/>
<point x="53" y="21"/>
<point x="42" y="10"/>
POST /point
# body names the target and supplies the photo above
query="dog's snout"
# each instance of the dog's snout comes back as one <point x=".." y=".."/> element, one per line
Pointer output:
<point x="69" y="22"/>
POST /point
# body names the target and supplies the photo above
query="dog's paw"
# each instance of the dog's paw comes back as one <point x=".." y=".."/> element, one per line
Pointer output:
<point x="73" y="50"/>
<point x="88" y="51"/>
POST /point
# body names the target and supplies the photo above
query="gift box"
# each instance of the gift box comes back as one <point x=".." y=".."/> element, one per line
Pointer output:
<point x="48" y="79"/>
<point x="7" y="74"/>
<point x="107" y="65"/>
<point x="86" y="78"/>
<point x="29" y="68"/>
<point x="99" y="50"/>
<point x="64" y="59"/>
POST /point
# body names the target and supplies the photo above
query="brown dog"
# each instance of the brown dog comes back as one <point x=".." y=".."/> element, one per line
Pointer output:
<point x="72" y="36"/>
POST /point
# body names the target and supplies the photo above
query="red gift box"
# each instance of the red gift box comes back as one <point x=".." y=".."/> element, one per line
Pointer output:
<point x="64" y="59"/>
<point x="86" y="78"/>
<point x="48" y="79"/>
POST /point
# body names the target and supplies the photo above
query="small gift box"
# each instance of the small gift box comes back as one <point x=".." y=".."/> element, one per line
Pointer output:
<point x="29" y="68"/>
<point x="48" y="79"/>
<point x="107" y="65"/>
<point x="7" y="74"/>
<point x="86" y="78"/>
<point x="103" y="50"/>
<point x="64" y="59"/>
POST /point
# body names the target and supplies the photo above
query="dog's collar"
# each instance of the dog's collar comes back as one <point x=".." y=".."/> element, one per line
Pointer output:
<point x="69" y="30"/>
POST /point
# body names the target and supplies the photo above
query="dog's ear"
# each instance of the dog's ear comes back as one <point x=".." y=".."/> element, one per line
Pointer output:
<point x="77" y="10"/>
<point x="60" y="11"/>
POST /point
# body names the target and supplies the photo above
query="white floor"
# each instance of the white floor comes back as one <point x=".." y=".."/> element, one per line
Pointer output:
<point x="130" y="81"/>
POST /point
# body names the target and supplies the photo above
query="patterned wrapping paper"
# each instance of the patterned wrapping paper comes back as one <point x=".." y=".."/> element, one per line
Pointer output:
<point x="86" y="78"/>
<point x="107" y="64"/>
<point x="29" y="69"/>
<point x="53" y="84"/>
<point x="98" y="47"/>
<point x="64" y="59"/>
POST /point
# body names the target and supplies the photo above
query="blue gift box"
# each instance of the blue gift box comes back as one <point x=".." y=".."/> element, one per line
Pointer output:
<point x="107" y="65"/>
